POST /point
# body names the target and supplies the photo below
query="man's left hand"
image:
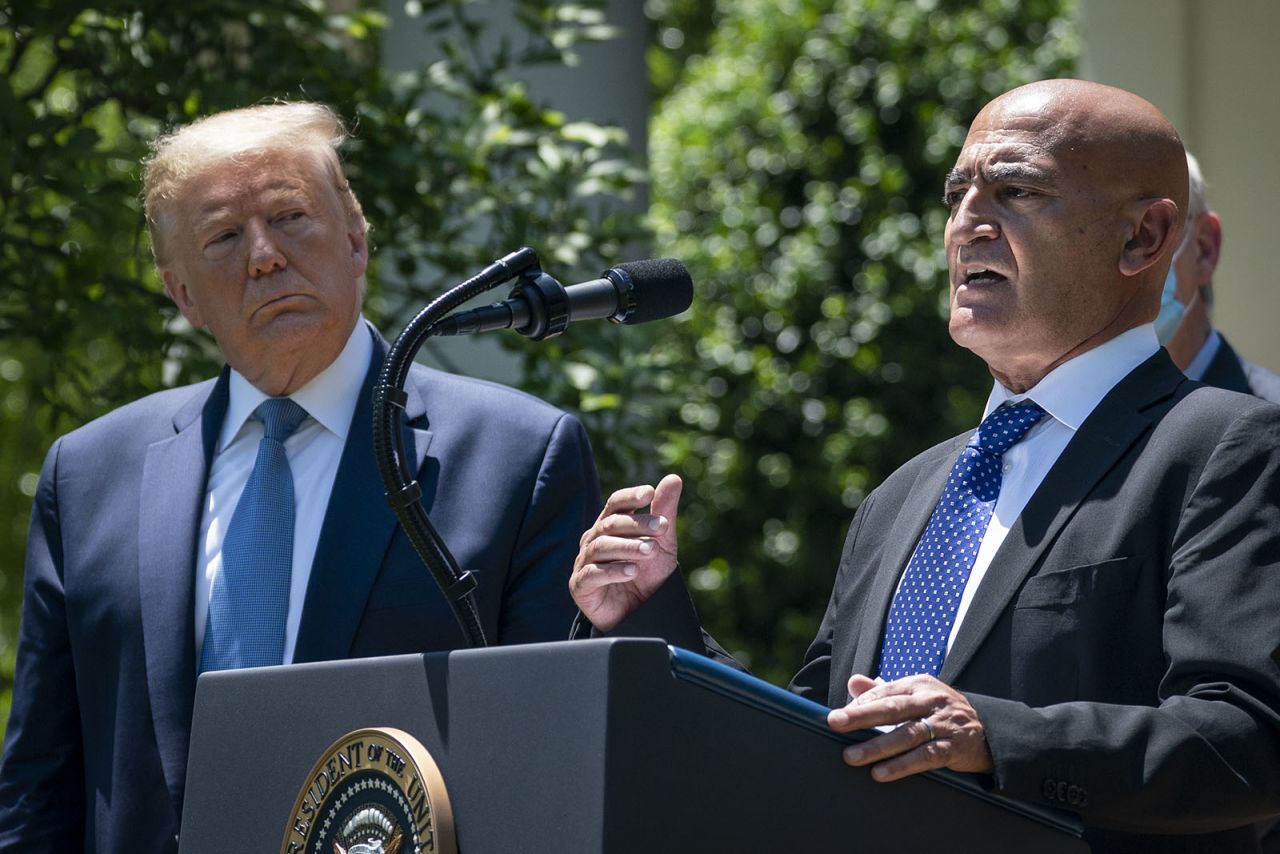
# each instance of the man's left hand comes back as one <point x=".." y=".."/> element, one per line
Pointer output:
<point x="938" y="728"/>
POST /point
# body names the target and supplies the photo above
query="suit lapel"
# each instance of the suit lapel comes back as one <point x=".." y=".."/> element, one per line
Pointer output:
<point x="173" y="483"/>
<point x="900" y="543"/>
<point x="1119" y="420"/>
<point x="358" y="526"/>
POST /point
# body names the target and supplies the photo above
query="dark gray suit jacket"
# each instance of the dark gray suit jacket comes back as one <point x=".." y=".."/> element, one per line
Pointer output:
<point x="1228" y="370"/>
<point x="1123" y="649"/>
<point x="96" y="750"/>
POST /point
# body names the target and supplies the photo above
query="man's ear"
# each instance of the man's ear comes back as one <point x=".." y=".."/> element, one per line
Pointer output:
<point x="177" y="291"/>
<point x="1154" y="232"/>
<point x="358" y="235"/>
<point x="1206" y="243"/>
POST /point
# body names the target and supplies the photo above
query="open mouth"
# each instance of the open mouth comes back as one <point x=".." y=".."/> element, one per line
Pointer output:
<point x="983" y="276"/>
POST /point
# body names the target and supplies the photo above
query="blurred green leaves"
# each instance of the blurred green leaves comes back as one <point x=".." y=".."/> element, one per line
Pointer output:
<point x="796" y="163"/>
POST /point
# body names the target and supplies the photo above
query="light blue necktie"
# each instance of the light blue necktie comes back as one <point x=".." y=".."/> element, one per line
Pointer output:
<point x="249" y="601"/>
<point x="924" y="608"/>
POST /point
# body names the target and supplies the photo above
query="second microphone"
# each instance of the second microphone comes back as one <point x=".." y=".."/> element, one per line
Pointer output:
<point x="539" y="306"/>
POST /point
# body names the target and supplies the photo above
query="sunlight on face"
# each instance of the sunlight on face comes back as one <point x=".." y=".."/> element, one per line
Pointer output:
<point x="1030" y="246"/>
<point x="266" y="258"/>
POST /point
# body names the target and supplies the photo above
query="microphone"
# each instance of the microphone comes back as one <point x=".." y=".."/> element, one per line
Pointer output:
<point x="539" y="306"/>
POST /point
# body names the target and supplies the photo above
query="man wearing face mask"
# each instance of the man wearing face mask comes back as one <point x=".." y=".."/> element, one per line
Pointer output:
<point x="1184" y="326"/>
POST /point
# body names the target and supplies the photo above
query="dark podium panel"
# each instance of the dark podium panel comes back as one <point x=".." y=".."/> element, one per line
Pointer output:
<point x="589" y="746"/>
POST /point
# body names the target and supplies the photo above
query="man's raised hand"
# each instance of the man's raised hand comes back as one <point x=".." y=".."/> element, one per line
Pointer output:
<point x="626" y="555"/>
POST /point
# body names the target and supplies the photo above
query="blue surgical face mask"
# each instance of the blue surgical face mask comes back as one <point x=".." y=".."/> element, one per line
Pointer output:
<point x="1171" y="310"/>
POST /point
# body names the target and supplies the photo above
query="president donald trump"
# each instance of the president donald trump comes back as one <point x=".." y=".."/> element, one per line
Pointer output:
<point x="240" y="522"/>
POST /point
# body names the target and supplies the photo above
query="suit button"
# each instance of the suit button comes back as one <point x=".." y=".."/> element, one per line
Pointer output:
<point x="1073" y="795"/>
<point x="1084" y="799"/>
<point x="1062" y="791"/>
<point x="1049" y="788"/>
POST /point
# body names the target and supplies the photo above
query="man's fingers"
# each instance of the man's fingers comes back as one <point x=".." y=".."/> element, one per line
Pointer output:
<point x="606" y="549"/>
<point x="594" y="576"/>
<point x="872" y="708"/>
<point x="930" y="755"/>
<point x="627" y="500"/>
<point x="666" y="498"/>
<point x="897" y="741"/>
<point x="625" y="545"/>
<point x="937" y="728"/>
<point x="859" y="684"/>
<point x="640" y="525"/>
<point x="620" y="519"/>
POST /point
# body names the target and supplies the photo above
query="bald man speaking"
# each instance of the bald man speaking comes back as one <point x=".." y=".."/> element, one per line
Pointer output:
<point x="1079" y="600"/>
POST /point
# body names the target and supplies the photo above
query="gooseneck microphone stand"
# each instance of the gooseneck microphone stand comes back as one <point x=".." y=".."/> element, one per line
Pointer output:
<point x="402" y="489"/>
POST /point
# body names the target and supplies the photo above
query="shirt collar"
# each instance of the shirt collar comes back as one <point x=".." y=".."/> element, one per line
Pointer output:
<point x="1200" y="364"/>
<point x="1073" y="389"/>
<point x="330" y="398"/>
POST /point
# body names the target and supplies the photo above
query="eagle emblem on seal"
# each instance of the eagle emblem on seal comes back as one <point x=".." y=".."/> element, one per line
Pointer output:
<point x="370" y="831"/>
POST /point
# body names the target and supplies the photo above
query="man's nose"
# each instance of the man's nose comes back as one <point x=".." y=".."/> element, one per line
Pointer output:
<point x="265" y="256"/>
<point x="973" y="218"/>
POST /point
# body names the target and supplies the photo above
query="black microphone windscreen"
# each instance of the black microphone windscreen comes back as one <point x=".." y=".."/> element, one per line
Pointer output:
<point x="662" y="286"/>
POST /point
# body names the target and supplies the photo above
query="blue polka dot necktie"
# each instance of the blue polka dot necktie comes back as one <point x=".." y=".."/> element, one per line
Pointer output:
<point x="249" y="601"/>
<point x="924" y="608"/>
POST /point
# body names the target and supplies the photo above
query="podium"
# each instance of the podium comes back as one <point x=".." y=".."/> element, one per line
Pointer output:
<point x="619" y="745"/>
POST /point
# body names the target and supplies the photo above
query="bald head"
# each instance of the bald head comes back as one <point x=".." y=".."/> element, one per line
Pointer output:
<point x="1066" y="205"/>
<point x="1123" y="139"/>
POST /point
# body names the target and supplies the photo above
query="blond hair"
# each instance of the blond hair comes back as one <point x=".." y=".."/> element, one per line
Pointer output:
<point x="183" y="153"/>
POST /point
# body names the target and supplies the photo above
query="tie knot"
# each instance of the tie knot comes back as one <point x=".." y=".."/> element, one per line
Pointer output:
<point x="281" y="416"/>
<point x="1005" y="427"/>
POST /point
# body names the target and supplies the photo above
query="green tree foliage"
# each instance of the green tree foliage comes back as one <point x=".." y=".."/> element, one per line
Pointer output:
<point x="454" y="162"/>
<point x="797" y="169"/>
<point x="681" y="30"/>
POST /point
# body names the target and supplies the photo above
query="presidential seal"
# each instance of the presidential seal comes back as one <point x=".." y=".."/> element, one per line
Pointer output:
<point x="374" y="791"/>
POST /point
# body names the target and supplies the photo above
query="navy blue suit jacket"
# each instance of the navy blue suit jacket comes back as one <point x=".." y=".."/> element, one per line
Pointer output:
<point x="96" y="750"/>
<point x="1227" y="370"/>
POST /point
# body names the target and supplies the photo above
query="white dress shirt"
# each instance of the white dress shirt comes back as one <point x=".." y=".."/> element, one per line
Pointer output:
<point x="1068" y="393"/>
<point x="313" y="450"/>
<point x="1201" y="362"/>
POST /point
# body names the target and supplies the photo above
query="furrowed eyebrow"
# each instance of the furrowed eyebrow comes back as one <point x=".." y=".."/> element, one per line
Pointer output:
<point x="216" y="212"/>
<point x="956" y="177"/>
<point x="1014" y="172"/>
<point x="998" y="173"/>
<point x="211" y="217"/>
